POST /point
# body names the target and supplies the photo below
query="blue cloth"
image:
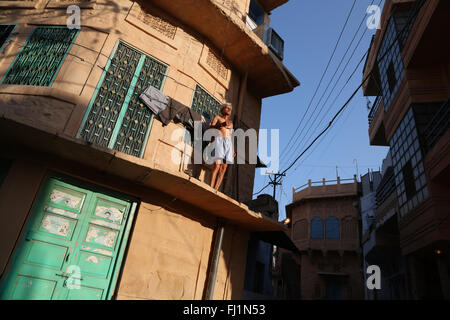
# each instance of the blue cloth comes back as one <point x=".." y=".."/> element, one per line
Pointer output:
<point x="223" y="149"/>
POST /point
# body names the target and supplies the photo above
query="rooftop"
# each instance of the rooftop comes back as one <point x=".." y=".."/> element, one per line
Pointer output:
<point x="325" y="189"/>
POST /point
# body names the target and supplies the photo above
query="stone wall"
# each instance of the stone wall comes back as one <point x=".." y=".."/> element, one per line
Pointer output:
<point x="191" y="61"/>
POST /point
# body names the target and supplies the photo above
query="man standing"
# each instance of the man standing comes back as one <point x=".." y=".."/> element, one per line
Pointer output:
<point x="222" y="145"/>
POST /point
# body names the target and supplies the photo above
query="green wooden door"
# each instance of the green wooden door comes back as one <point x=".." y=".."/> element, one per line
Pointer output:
<point x="72" y="247"/>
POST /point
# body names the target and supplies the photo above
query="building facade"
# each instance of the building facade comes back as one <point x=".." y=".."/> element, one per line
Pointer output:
<point x="408" y="71"/>
<point x="369" y="184"/>
<point x="325" y="227"/>
<point x="92" y="203"/>
<point x="380" y="233"/>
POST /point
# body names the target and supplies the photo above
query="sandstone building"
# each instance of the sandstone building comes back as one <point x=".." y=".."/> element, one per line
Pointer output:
<point x="89" y="193"/>
<point x="325" y="228"/>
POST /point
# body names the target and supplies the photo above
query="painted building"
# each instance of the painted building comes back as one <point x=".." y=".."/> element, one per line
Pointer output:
<point x="408" y="71"/>
<point x="92" y="203"/>
<point x="325" y="227"/>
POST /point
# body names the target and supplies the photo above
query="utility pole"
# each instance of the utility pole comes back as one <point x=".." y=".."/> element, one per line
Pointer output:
<point x="276" y="181"/>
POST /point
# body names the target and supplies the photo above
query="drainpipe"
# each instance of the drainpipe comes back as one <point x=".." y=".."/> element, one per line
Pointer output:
<point x="239" y="109"/>
<point x="216" y="256"/>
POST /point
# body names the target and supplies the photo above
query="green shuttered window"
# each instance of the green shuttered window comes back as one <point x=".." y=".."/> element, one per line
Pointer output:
<point x="116" y="118"/>
<point x="41" y="57"/>
<point x="205" y="104"/>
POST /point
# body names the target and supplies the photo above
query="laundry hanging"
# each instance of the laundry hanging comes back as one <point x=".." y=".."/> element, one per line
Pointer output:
<point x="154" y="99"/>
<point x="178" y="112"/>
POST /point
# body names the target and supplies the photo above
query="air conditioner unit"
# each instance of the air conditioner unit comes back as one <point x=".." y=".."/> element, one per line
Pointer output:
<point x="274" y="42"/>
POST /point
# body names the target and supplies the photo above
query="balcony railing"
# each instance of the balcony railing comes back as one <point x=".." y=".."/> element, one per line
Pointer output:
<point x="437" y="126"/>
<point x="386" y="187"/>
<point x="374" y="109"/>
<point x="321" y="183"/>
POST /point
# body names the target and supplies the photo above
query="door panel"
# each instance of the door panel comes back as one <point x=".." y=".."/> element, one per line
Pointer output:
<point x="100" y="239"/>
<point x="40" y="251"/>
<point x="70" y="247"/>
<point x="85" y="293"/>
<point x="31" y="288"/>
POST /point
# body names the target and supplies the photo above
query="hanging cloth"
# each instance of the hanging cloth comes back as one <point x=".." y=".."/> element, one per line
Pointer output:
<point x="154" y="99"/>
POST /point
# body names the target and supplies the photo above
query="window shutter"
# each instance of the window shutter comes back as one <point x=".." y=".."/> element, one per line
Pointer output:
<point x="316" y="228"/>
<point x="116" y="118"/>
<point x="41" y="57"/>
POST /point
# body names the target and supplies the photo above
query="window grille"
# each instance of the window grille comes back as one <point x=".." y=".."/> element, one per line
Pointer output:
<point x="410" y="178"/>
<point x="205" y="104"/>
<point x="116" y="118"/>
<point x="41" y="57"/>
<point x="391" y="67"/>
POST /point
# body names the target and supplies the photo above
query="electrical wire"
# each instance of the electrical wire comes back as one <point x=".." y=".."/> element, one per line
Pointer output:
<point x="321" y="79"/>
<point x="342" y="89"/>
<point x="417" y="9"/>
<point x="294" y="150"/>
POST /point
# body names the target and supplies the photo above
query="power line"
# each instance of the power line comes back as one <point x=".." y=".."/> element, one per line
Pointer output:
<point x="323" y="75"/>
<point x="412" y="14"/>
<point x="342" y="89"/>
<point x="329" y="83"/>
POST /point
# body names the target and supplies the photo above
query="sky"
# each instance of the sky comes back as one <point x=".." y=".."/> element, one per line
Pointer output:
<point x="310" y="29"/>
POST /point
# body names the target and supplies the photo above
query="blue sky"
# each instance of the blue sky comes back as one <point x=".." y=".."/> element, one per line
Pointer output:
<point x="310" y="30"/>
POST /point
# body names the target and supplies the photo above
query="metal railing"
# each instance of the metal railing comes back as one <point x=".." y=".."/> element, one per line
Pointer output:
<point x="437" y="126"/>
<point x="386" y="187"/>
<point x="374" y="109"/>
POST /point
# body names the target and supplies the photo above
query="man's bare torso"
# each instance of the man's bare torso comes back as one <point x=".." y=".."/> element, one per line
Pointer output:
<point x="225" y="126"/>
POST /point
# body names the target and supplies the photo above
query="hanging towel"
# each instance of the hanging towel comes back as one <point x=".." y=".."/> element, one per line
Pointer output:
<point x="154" y="99"/>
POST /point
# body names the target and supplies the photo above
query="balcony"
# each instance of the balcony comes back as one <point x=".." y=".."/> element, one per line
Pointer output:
<point x="269" y="5"/>
<point x="377" y="135"/>
<point x="267" y="34"/>
<point x="374" y="109"/>
<point x="437" y="126"/>
<point x="386" y="187"/>
<point x="241" y="46"/>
